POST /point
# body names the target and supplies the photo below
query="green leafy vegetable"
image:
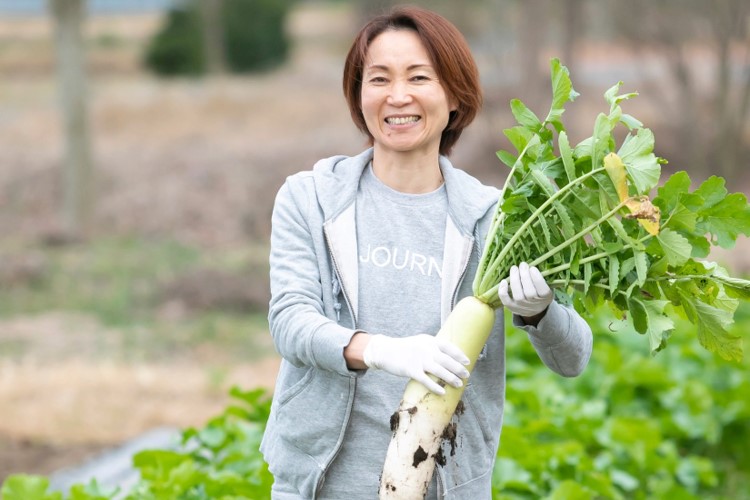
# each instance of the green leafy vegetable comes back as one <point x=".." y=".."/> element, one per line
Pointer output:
<point x="26" y="487"/>
<point x="586" y="217"/>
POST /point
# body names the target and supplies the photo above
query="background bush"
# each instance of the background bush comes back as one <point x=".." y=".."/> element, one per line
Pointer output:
<point x="177" y="49"/>
<point x="254" y="38"/>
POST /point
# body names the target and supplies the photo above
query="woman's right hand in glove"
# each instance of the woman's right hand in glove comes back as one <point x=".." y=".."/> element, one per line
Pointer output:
<point x="416" y="357"/>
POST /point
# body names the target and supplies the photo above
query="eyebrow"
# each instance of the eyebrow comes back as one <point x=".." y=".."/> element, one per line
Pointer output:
<point x="409" y="68"/>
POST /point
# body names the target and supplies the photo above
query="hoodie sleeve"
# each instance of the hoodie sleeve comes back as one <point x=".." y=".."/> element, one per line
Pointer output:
<point x="301" y="331"/>
<point x="562" y="339"/>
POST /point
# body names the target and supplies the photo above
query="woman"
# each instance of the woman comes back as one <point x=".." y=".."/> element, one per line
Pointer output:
<point x="368" y="255"/>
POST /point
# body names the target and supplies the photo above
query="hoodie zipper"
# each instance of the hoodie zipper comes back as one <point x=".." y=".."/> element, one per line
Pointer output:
<point x="321" y="480"/>
<point x="352" y="380"/>
<point x="338" y="276"/>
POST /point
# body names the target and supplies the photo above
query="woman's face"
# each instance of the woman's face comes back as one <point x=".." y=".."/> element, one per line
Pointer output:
<point x="404" y="104"/>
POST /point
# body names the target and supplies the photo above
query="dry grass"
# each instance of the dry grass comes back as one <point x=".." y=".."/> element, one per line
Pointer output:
<point x="79" y="402"/>
<point x="70" y="386"/>
<point x="65" y="378"/>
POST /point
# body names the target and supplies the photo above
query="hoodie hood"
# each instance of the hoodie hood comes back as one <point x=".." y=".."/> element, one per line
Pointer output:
<point x="337" y="179"/>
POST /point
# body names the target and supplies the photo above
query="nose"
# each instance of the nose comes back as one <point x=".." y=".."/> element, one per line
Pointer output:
<point x="399" y="93"/>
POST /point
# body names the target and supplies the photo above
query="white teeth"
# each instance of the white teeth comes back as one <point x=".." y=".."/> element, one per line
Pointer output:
<point x="401" y="120"/>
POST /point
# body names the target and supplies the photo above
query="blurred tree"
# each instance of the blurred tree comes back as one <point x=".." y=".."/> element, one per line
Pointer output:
<point x="256" y="36"/>
<point x="209" y="35"/>
<point x="177" y="49"/>
<point x="78" y="193"/>
<point x="366" y="9"/>
<point x="572" y="24"/>
<point x="213" y="35"/>
<point x="531" y="40"/>
<point x="713" y="93"/>
<point x="731" y="23"/>
<point x="462" y="14"/>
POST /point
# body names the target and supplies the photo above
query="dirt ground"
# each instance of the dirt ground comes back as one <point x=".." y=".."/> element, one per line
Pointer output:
<point x="197" y="160"/>
<point x="58" y="414"/>
<point x="71" y="394"/>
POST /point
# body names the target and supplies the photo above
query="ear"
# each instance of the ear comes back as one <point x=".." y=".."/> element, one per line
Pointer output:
<point x="453" y="104"/>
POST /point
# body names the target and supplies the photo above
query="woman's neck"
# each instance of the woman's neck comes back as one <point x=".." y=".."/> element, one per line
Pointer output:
<point x="411" y="172"/>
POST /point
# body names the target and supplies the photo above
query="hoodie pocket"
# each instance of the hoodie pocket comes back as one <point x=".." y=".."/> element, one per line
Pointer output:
<point x="311" y="414"/>
<point x="303" y="435"/>
<point x="295" y="388"/>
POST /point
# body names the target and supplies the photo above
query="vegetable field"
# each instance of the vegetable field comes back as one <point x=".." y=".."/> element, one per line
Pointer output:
<point x="633" y="426"/>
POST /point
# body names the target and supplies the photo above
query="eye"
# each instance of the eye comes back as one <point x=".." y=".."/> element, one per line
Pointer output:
<point x="420" y="78"/>
<point x="377" y="80"/>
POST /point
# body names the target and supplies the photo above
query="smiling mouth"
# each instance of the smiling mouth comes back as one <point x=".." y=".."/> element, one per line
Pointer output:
<point x="401" y="120"/>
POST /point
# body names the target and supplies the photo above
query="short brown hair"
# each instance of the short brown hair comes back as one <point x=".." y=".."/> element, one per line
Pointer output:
<point x="450" y="54"/>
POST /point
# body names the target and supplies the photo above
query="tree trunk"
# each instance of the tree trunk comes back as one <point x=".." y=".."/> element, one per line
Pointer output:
<point x="213" y="35"/>
<point x="690" y="137"/>
<point x="531" y="42"/>
<point x="731" y="105"/>
<point x="68" y="16"/>
<point x="572" y="25"/>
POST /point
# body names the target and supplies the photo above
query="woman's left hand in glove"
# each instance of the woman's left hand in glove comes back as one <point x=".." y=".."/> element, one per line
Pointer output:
<point x="529" y="296"/>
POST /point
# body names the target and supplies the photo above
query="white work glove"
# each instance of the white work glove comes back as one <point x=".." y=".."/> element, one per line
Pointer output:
<point x="415" y="357"/>
<point x="531" y="294"/>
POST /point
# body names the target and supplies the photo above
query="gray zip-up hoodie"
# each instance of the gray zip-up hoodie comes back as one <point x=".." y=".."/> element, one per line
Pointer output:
<point x="313" y="315"/>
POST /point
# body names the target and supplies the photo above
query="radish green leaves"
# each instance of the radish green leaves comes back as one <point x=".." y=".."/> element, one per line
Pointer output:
<point x="586" y="215"/>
